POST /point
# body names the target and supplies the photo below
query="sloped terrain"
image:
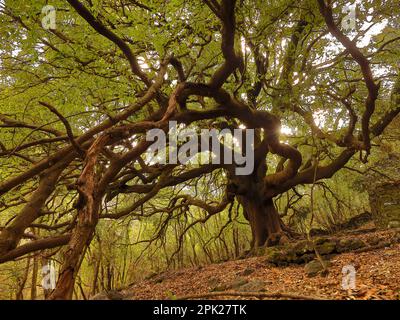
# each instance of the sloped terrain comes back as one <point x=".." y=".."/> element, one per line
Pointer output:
<point x="377" y="276"/>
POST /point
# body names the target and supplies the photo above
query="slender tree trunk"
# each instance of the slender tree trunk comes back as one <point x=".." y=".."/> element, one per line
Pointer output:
<point x="102" y="277"/>
<point x="235" y="238"/>
<point x="95" y="277"/>
<point x="110" y="276"/>
<point x="35" y="269"/>
<point x="22" y="281"/>
<point x="81" y="289"/>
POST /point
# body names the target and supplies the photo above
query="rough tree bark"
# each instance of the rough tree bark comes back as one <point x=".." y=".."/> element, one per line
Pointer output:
<point x="259" y="210"/>
<point x="264" y="220"/>
<point x="88" y="209"/>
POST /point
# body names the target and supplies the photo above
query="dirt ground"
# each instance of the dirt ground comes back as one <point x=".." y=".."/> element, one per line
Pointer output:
<point x="377" y="277"/>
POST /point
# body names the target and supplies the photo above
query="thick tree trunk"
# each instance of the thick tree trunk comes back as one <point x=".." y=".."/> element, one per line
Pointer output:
<point x="265" y="223"/>
<point x="88" y="214"/>
<point x="72" y="261"/>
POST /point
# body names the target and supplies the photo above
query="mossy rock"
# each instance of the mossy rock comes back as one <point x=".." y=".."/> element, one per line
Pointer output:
<point x="302" y="247"/>
<point x="323" y="246"/>
<point x="300" y="252"/>
<point x="326" y="247"/>
<point x="275" y="255"/>
<point x="259" y="251"/>
<point x="303" y="251"/>
<point x="345" y="245"/>
<point x="321" y="240"/>
<point x="394" y="224"/>
<point x="291" y="257"/>
<point x="373" y="241"/>
<point x="315" y="267"/>
<point x="220" y="287"/>
<point x="254" y="285"/>
<point x="306" y="258"/>
<point x="237" y="283"/>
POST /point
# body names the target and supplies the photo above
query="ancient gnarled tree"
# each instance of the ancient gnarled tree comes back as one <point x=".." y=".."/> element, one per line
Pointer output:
<point x="77" y="99"/>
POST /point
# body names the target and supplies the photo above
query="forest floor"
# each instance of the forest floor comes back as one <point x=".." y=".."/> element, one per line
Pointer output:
<point x="377" y="277"/>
